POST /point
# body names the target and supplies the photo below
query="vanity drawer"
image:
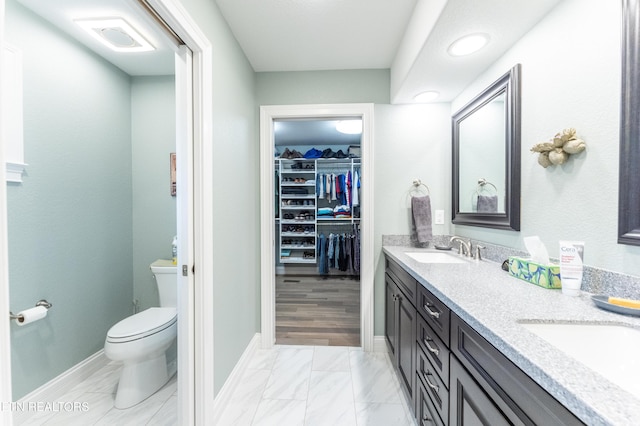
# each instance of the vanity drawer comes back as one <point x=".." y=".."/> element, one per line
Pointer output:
<point x="435" y="349"/>
<point x="426" y="413"/>
<point x="405" y="282"/>
<point x="434" y="312"/>
<point x="434" y="386"/>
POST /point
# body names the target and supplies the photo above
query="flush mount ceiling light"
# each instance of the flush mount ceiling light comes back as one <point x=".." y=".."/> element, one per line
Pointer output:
<point x="468" y="44"/>
<point x="116" y="34"/>
<point x="425" y="97"/>
<point x="349" y="127"/>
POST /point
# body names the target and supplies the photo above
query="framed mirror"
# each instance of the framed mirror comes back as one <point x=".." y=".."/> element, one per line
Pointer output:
<point x="486" y="157"/>
<point x="629" y="197"/>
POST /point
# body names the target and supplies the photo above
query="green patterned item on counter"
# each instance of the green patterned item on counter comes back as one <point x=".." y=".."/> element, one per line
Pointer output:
<point x="547" y="276"/>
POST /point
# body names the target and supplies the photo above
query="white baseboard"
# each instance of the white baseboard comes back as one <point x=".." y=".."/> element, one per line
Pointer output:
<point x="224" y="396"/>
<point x="54" y="388"/>
<point x="380" y="344"/>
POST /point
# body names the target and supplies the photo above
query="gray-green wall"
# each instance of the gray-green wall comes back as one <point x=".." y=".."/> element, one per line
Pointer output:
<point x="70" y="220"/>
<point x="579" y="199"/>
<point x="153" y="133"/>
<point x="322" y="87"/>
<point x="236" y="193"/>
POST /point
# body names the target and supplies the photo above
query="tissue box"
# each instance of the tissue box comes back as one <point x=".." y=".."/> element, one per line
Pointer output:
<point x="547" y="276"/>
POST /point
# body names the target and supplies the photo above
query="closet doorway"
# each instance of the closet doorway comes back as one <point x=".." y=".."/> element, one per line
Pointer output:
<point x="317" y="282"/>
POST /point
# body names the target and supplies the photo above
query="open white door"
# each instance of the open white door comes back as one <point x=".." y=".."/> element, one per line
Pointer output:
<point x="194" y="156"/>
<point x="5" y="340"/>
<point x="184" y="187"/>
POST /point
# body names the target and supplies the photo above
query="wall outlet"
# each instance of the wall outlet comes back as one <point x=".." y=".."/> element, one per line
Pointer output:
<point x="439" y="217"/>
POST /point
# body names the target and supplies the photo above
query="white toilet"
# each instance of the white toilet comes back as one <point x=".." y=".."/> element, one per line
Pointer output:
<point x="141" y="341"/>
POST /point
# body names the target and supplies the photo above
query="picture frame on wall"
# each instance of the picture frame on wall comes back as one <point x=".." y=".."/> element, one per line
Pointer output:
<point x="172" y="172"/>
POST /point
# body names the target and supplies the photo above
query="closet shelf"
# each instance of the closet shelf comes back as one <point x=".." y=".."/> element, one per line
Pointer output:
<point x="294" y="247"/>
<point x="297" y="260"/>
<point x="298" y="196"/>
<point x="312" y="207"/>
<point x="296" y="222"/>
<point x="298" y="234"/>
<point x="298" y="184"/>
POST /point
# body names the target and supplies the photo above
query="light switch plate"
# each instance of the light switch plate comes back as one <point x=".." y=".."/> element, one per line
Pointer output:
<point x="439" y="217"/>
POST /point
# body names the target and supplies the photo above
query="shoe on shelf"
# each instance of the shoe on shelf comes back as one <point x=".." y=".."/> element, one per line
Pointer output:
<point x="327" y="153"/>
<point x="286" y="154"/>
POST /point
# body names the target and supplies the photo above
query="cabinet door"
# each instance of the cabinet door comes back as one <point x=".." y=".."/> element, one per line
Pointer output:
<point x="406" y="348"/>
<point x="391" y="313"/>
<point x="468" y="404"/>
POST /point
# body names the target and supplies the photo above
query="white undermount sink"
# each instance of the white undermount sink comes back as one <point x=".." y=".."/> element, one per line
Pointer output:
<point x="435" y="257"/>
<point x="611" y="350"/>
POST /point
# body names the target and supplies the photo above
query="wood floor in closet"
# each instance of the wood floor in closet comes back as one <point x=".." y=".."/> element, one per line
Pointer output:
<point x="318" y="311"/>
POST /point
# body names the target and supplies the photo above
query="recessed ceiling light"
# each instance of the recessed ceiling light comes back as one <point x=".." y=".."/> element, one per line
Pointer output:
<point x="349" y="127"/>
<point x="425" y="97"/>
<point x="116" y="34"/>
<point x="468" y="44"/>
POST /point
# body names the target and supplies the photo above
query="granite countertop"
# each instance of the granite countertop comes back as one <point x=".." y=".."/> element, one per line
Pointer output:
<point x="493" y="303"/>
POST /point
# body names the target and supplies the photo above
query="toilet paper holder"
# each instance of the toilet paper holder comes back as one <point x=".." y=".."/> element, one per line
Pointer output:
<point x="41" y="302"/>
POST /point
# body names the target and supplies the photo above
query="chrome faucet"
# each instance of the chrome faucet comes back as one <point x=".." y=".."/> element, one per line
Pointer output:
<point x="464" y="246"/>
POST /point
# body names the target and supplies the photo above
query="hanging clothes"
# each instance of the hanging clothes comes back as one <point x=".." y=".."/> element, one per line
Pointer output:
<point x="323" y="262"/>
<point x="333" y="187"/>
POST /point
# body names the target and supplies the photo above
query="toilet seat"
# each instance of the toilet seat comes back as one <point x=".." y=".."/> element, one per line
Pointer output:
<point x="142" y="324"/>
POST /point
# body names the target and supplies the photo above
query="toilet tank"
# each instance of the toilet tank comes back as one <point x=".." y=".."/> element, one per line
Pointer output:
<point x="166" y="279"/>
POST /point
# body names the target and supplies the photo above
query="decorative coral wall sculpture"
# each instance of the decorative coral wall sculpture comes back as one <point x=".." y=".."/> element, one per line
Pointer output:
<point x="558" y="150"/>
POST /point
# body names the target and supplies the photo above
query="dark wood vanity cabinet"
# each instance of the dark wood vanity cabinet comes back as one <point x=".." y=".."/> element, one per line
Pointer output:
<point x="451" y="373"/>
<point x="400" y="327"/>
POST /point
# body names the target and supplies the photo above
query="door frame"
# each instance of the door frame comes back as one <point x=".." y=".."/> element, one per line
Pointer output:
<point x="6" y="416"/>
<point x="195" y="352"/>
<point x="267" y="188"/>
<point x="195" y="216"/>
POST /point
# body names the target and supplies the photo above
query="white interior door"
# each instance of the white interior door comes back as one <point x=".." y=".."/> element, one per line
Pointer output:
<point x="5" y="338"/>
<point x="184" y="194"/>
<point x="194" y="157"/>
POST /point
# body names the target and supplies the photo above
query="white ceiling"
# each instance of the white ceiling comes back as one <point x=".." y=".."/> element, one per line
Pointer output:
<point x="62" y="13"/>
<point x="410" y="37"/>
<point x="302" y="35"/>
<point x="318" y="133"/>
<point x="432" y="68"/>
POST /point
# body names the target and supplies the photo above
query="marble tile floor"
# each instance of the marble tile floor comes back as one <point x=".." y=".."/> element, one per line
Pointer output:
<point x="98" y="392"/>
<point x="283" y="386"/>
<point x="314" y="386"/>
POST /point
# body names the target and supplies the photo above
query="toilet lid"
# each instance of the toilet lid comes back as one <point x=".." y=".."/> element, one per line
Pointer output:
<point x="143" y="324"/>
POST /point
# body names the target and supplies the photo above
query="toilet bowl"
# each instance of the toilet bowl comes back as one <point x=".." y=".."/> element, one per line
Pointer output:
<point x="140" y="342"/>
